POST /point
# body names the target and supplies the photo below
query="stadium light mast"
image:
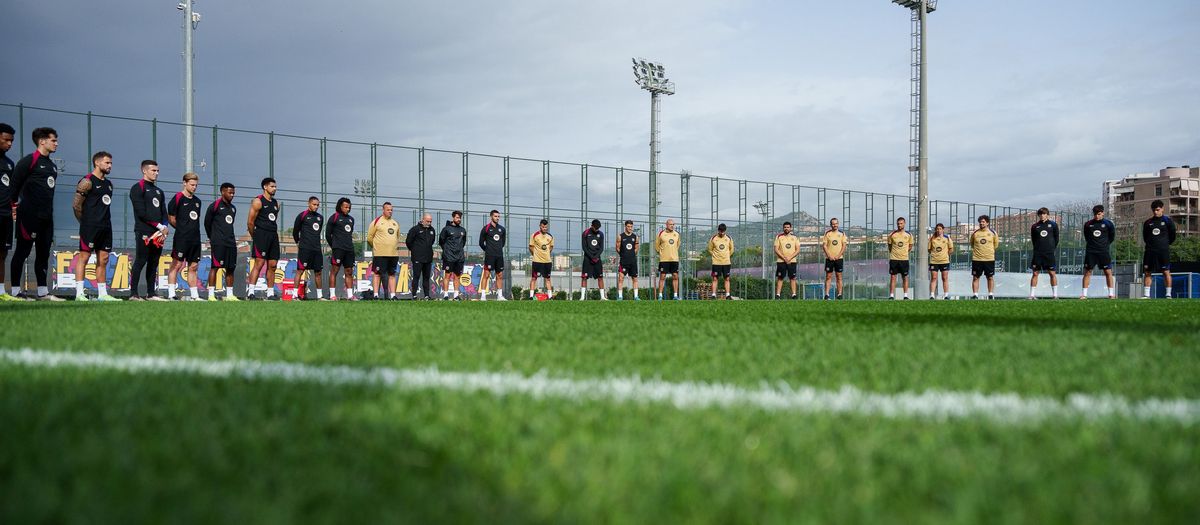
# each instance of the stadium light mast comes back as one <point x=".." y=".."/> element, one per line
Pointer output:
<point x="190" y="20"/>
<point x="652" y="77"/>
<point x="918" y="138"/>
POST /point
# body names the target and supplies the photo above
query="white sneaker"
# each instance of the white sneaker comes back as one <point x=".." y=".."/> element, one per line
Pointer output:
<point x="500" y="297"/>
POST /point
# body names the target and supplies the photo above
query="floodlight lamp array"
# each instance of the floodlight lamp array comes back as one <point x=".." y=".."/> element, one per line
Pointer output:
<point x="652" y="77"/>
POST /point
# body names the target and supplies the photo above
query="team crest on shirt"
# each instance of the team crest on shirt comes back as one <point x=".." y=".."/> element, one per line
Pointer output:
<point x="316" y="226"/>
<point x="496" y="237"/>
<point x="271" y="217"/>
<point x="1096" y="233"/>
<point x="835" y="243"/>
<point x="628" y="246"/>
<point x="722" y="246"/>
<point x="787" y="245"/>
<point x="938" y="249"/>
<point x="107" y="199"/>
<point x="155" y="202"/>
<point x="229" y="219"/>
<point x="4" y="179"/>
<point x="900" y="244"/>
<point x="595" y="242"/>
<point x="982" y="241"/>
<point x="670" y="241"/>
<point x="50" y="181"/>
<point x="193" y="215"/>
<point x="1156" y="231"/>
<point x="1044" y="233"/>
<point x="391" y="231"/>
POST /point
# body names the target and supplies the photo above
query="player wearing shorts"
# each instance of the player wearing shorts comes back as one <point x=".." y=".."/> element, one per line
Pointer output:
<point x="983" y="257"/>
<point x="32" y="194"/>
<point x="183" y="212"/>
<point x="93" y="197"/>
<point x="306" y="232"/>
<point x="940" y="248"/>
<point x="627" y="250"/>
<point x="1099" y="234"/>
<point x="491" y="240"/>
<point x="900" y="245"/>
<point x="720" y="246"/>
<point x="384" y="239"/>
<point x="420" y="240"/>
<point x="339" y="235"/>
<point x="149" y="231"/>
<point x="787" y="251"/>
<point x="593" y="250"/>
<point x="218" y="225"/>
<point x="1044" y="234"/>
<point x="667" y="247"/>
<point x="7" y="134"/>
<point x="1158" y="232"/>
<point x="833" y="245"/>
<point x="541" y="243"/>
<point x="453" y="241"/>
<point x="262" y="223"/>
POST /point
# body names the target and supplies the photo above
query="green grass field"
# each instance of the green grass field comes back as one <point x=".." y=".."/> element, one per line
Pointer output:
<point x="94" y="444"/>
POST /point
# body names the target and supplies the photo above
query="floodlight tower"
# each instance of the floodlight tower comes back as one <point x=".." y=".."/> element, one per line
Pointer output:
<point x="190" y="20"/>
<point x="918" y="135"/>
<point x="652" y="77"/>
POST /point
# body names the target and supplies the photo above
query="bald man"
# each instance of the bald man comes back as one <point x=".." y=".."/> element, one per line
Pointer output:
<point x="420" y="241"/>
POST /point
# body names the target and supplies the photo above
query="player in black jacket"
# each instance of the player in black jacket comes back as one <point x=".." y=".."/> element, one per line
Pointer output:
<point x="306" y="231"/>
<point x="420" y="241"/>
<point x="339" y="235"/>
<point x="218" y="225"/>
<point x="7" y="133"/>
<point x="593" y="249"/>
<point x="183" y="212"/>
<point x="1158" y="232"/>
<point x="491" y="240"/>
<point x="453" y="241"/>
<point x="1044" y="234"/>
<point x="149" y="230"/>
<point x="93" y="197"/>
<point x="32" y="194"/>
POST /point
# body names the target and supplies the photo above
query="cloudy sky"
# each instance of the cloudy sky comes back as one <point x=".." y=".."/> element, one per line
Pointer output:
<point x="1031" y="103"/>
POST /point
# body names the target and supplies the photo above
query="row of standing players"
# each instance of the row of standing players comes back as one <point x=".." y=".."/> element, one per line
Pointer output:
<point x="32" y="180"/>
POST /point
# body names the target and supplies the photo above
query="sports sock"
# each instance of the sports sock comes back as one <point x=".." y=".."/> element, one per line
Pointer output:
<point x="42" y="291"/>
<point x="905" y="295"/>
<point x="16" y="290"/>
<point x="320" y="293"/>
<point x="1145" y="291"/>
<point x="102" y="288"/>
<point x="1055" y="288"/>
<point x="79" y="289"/>
<point x="603" y="293"/>
<point x="1032" y="292"/>
<point x="228" y="291"/>
<point x="891" y="295"/>
<point x="270" y="291"/>
<point x="1108" y="291"/>
<point x="194" y="292"/>
<point x="620" y="293"/>
<point x="1" y="288"/>
<point x="170" y="292"/>
<point x="1168" y="291"/>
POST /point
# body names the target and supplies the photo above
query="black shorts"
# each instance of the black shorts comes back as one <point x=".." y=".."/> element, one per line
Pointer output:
<point x="541" y="269"/>
<point x="943" y="267"/>
<point x="454" y="267"/>
<point x="787" y="270"/>
<point x="629" y="268"/>
<point x="592" y="270"/>
<point x="1043" y="262"/>
<point x="6" y="230"/>
<point x="494" y="263"/>
<point x="985" y="268"/>
<point x="834" y="266"/>
<point x="266" y="246"/>
<point x="721" y="270"/>
<point x="186" y="250"/>
<point x="898" y="267"/>
<point x="1156" y="261"/>
<point x="224" y="257"/>
<point x="33" y="229"/>
<point x="668" y="267"/>
<point x="342" y="258"/>
<point x="95" y="238"/>
<point x="1092" y="260"/>
<point x="385" y="265"/>
<point x="310" y="260"/>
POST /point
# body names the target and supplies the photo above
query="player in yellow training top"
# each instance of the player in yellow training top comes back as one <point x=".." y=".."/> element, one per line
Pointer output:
<point x="900" y="244"/>
<point x="666" y="245"/>
<point x="983" y="257"/>
<point x="541" y="243"/>
<point x="787" y="251"/>
<point x="721" y="248"/>
<point x="940" y="248"/>
<point x="833" y="245"/>
<point x="383" y="236"/>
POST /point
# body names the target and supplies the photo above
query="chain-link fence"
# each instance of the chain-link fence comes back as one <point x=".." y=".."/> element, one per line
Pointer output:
<point x="524" y="190"/>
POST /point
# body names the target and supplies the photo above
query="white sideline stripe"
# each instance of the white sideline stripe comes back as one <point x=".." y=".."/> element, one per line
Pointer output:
<point x="937" y="405"/>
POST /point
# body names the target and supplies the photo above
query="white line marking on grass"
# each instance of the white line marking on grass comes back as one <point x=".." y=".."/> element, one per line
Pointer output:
<point x="937" y="405"/>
